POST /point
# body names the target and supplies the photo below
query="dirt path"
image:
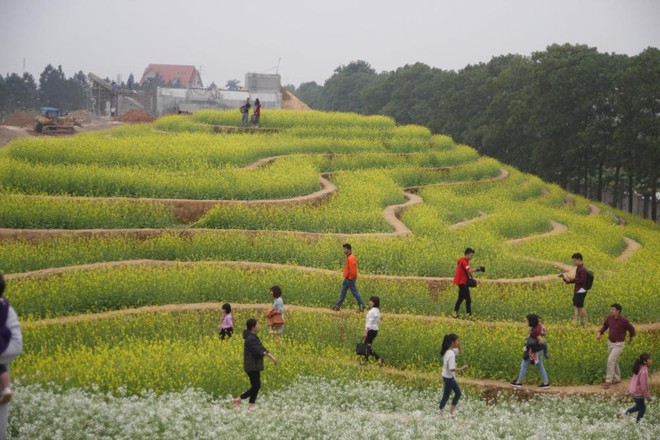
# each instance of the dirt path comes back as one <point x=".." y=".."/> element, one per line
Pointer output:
<point x="504" y="174"/>
<point x="434" y="283"/>
<point x="557" y="228"/>
<point x="9" y="133"/>
<point x="459" y="225"/>
<point x="487" y="385"/>
<point x="594" y="210"/>
<point x="216" y="306"/>
<point x="631" y="247"/>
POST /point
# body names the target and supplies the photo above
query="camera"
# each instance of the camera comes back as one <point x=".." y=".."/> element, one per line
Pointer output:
<point x="482" y="269"/>
<point x="561" y="275"/>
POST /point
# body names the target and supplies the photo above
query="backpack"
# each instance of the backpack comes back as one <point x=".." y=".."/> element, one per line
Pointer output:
<point x="243" y="109"/>
<point x="590" y="280"/>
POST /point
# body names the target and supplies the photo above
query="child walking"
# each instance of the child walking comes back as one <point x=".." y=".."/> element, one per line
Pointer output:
<point x="226" y="327"/>
<point x="371" y="329"/>
<point x="451" y="346"/>
<point x="639" y="385"/>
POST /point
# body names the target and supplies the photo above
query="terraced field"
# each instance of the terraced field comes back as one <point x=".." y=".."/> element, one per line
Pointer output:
<point x="120" y="246"/>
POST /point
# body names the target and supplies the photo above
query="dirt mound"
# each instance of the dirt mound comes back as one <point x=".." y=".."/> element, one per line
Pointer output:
<point x="291" y="101"/>
<point x="135" y="116"/>
<point x="20" y="119"/>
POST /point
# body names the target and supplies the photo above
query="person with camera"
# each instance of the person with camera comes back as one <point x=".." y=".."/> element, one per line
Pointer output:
<point x="579" y="289"/>
<point x="463" y="279"/>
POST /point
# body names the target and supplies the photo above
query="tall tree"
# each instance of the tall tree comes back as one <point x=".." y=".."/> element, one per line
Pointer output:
<point x="344" y="90"/>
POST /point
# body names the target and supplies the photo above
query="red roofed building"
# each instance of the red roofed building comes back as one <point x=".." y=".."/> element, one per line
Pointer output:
<point x="175" y="75"/>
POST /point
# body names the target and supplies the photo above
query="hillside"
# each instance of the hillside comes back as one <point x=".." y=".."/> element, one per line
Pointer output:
<point x="120" y="246"/>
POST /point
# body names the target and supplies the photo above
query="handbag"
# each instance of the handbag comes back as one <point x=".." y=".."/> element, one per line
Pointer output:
<point x="362" y="348"/>
<point x="253" y="118"/>
<point x="471" y="282"/>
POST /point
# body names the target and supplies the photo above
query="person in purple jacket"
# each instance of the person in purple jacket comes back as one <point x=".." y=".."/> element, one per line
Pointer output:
<point x="226" y="327"/>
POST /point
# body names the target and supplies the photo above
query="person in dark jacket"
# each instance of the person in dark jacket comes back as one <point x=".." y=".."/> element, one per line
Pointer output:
<point x="579" y="290"/>
<point x="253" y="362"/>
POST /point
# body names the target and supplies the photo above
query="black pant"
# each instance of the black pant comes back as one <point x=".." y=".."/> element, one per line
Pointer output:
<point x="255" y="383"/>
<point x="226" y="332"/>
<point x="371" y="335"/>
<point x="639" y="408"/>
<point x="464" y="294"/>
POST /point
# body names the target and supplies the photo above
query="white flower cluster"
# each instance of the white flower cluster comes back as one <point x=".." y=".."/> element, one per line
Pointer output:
<point x="316" y="408"/>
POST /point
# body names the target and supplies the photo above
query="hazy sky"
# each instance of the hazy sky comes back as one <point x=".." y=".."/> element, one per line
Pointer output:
<point x="312" y="38"/>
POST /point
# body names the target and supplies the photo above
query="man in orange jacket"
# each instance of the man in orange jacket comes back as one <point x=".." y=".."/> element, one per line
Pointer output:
<point x="350" y="276"/>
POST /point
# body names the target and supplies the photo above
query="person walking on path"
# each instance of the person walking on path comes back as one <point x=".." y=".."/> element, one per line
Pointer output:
<point x="276" y="314"/>
<point x="463" y="273"/>
<point x="533" y="352"/>
<point x="371" y="329"/>
<point x="579" y="289"/>
<point x="639" y="385"/>
<point x="226" y="327"/>
<point x="617" y="326"/>
<point x="245" y="110"/>
<point x="451" y="347"/>
<point x="350" y="278"/>
<point x="253" y="362"/>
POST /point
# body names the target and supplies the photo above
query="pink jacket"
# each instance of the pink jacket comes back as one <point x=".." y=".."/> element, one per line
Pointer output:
<point x="639" y="384"/>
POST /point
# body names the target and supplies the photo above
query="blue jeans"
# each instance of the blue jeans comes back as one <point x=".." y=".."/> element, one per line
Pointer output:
<point x="450" y="384"/>
<point x="639" y="408"/>
<point x="349" y="284"/>
<point x="244" y="122"/>
<point x="525" y="363"/>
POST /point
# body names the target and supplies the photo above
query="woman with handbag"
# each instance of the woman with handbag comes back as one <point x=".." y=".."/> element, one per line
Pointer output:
<point x="371" y="329"/>
<point x="463" y="279"/>
<point x="276" y="314"/>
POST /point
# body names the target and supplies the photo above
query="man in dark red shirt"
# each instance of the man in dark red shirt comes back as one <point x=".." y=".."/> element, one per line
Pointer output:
<point x="618" y="325"/>
<point x="463" y="272"/>
<point x="580" y="289"/>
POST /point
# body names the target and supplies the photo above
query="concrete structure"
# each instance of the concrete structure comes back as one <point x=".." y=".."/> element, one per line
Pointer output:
<point x="266" y="87"/>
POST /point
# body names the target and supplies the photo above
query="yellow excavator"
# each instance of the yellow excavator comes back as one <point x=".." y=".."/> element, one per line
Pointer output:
<point x="52" y="121"/>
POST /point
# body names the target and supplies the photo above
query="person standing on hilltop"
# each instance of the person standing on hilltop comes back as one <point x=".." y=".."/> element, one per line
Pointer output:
<point x="257" y="112"/>
<point x="350" y="278"/>
<point x="245" y="110"/>
<point x="580" y="289"/>
<point x="462" y="278"/>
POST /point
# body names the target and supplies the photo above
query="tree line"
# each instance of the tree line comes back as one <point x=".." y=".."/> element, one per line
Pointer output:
<point x="20" y="92"/>
<point x="586" y="120"/>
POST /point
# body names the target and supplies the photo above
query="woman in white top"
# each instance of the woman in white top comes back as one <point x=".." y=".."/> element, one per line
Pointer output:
<point x="451" y="346"/>
<point x="371" y="328"/>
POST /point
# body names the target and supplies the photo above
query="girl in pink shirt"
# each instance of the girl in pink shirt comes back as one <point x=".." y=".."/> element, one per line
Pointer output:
<point x="639" y="385"/>
<point x="226" y="327"/>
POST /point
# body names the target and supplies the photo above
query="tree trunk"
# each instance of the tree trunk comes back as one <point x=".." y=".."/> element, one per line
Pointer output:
<point x="654" y="201"/>
<point x="599" y="196"/>
<point x="631" y="193"/>
<point x="645" y="209"/>
<point x="617" y="187"/>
